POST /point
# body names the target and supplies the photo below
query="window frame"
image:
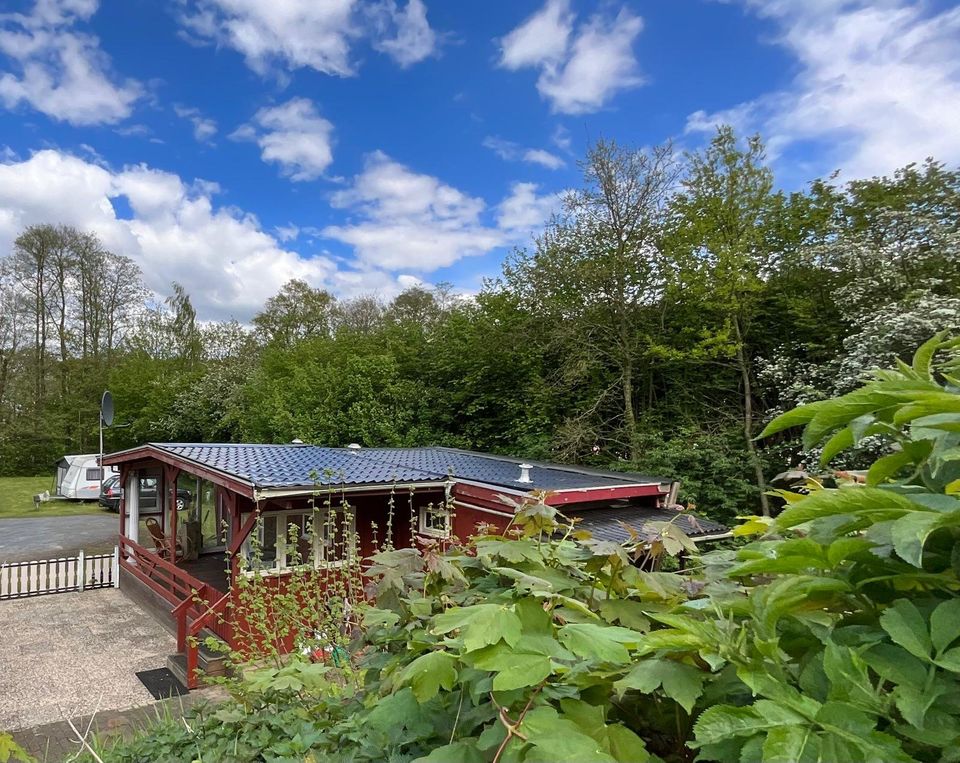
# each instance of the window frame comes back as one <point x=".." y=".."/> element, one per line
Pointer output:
<point x="318" y="542"/>
<point x="423" y="528"/>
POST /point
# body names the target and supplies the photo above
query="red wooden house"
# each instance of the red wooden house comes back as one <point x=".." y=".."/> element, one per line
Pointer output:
<point x="174" y="552"/>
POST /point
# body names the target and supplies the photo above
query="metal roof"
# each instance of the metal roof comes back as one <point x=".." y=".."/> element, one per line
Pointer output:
<point x="604" y="524"/>
<point x="300" y="465"/>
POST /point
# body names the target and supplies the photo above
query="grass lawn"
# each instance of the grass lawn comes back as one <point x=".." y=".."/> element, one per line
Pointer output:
<point x="16" y="499"/>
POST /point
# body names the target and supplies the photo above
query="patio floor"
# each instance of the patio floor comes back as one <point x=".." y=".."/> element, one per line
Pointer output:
<point x="72" y="654"/>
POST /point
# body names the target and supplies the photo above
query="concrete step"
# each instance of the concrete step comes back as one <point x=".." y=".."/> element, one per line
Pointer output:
<point x="177" y="664"/>
<point x="209" y="663"/>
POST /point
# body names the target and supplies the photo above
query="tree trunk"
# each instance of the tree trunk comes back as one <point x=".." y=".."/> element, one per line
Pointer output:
<point x="748" y="420"/>
<point x="629" y="416"/>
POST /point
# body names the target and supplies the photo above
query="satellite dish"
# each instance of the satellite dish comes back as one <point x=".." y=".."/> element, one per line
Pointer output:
<point x="106" y="409"/>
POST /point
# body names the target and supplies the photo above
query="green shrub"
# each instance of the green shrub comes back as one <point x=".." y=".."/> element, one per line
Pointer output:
<point x="833" y="636"/>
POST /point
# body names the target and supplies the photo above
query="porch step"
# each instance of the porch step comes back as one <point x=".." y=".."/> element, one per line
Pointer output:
<point x="209" y="662"/>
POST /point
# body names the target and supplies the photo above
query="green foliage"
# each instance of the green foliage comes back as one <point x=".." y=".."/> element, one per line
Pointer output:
<point x="11" y="751"/>
<point x="833" y="636"/>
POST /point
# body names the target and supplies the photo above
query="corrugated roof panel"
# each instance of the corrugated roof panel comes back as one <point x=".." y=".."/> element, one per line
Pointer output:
<point x="604" y="524"/>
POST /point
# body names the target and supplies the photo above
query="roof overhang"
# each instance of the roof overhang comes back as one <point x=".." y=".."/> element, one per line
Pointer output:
<point x="271" y="493"/>
<point x="151" y="452"/>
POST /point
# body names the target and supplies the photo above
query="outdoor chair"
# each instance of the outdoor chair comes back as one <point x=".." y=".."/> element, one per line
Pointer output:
<point x="160" y="540"/>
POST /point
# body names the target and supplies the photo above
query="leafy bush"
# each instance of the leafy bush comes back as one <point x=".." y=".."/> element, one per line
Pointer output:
<point x="833" y="636"/>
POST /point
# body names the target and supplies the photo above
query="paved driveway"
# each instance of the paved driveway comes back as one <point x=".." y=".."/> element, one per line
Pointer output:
<point x="47" y="537"/>
<point x="72" y="654"/>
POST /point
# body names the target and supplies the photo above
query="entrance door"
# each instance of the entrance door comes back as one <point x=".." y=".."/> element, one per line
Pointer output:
<point x="210" y="514"/>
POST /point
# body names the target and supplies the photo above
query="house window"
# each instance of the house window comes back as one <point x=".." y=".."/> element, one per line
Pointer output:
<point x="289" y="539"/>
<point x="435" y="521"/>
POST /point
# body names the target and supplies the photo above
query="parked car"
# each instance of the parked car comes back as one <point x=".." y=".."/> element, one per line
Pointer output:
<point x="110" y="495"/>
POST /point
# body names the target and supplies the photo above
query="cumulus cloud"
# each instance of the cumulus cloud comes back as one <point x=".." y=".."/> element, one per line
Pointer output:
<point x="295" y="34"/>
<point x="204" y="128"/>
<point x="61" y="72"/>
<point x="294" y="136"/>
<point x="878" y="83"/>
<point x="176" y="232"/>
<point x="582" y="66"/>
<point x="524" y="212"/>
<point x="405" y="35"/>
<point x="513" y="152"/>
<point x="412" y="221"/>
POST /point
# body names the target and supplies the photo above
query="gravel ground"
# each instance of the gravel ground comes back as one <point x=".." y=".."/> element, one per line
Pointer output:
<point x="72" y="654"/>
<point x="50" y="537"/>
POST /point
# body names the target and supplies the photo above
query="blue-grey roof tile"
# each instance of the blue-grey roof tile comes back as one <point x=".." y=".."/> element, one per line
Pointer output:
<point x="296" y="465"/>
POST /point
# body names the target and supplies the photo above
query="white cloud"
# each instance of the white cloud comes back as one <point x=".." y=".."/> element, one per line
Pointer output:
<point x="543" y="158"/>
<point x="227" y="262"/>
<point x="287" y="232"/>
<point x="204" y="128"/>
<point x="581" y="68"/>
<point x="294" y="136"/>
<point x="523" y="213"/>
<point x="541" y="39"/>
<point x="878" y="82"/>
<point x="513" y="152"/>
<point x="561" y="138"/>
<point x="415" y="222"/>
<point x="314" y="34"/>
<point x="58" y="71"/>
<point x="413" y="40"/>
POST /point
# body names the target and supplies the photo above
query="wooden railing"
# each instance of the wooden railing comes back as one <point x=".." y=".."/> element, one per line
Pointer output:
<point x="160" y="575"/>
<point x="195" y="608"/>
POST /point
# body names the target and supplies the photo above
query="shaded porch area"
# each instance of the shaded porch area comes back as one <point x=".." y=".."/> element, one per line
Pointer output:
<point x="211" y="569"/>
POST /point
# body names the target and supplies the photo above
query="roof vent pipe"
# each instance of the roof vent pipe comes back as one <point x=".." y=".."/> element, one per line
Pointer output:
<point x="525" y="473"/>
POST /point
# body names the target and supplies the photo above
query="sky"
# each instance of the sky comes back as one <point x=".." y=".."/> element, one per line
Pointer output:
<point x="365" y="147"/>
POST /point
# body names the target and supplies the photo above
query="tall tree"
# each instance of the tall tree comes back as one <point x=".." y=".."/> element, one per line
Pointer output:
<point x="597" y="270"/>
<point x="29" y="267"/>
<point x="723" y="210"/>
<point x="299" y="311"/>
<point x="184" y="332"/>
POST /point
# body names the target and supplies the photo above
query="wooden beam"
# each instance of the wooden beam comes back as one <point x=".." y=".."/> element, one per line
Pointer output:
<point x="170" y="474"/>
<point x="124" y="470"/>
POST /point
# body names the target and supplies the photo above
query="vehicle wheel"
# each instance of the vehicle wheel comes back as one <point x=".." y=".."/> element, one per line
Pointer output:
<point x="181" y="504"/>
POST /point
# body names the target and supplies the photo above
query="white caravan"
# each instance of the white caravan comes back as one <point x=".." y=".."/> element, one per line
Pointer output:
<point x="78" y="477"/>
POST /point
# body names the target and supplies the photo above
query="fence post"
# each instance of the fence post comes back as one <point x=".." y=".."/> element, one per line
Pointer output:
<point x="115" y="567"/>
<point x="81" y="570"/>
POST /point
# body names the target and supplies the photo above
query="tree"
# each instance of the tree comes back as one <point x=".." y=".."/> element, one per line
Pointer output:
<point x="723" y="209"/>
<point x="184" y="332"/>
<point x="597" y="271"/>
<point x="361" y="315"/>
<point x="297" y="312"/>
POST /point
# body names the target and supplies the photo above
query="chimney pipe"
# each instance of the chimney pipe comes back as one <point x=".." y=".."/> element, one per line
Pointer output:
<point x="525" y="473"/>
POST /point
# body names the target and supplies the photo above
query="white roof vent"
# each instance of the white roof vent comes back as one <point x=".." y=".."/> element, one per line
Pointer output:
<point x="525" y="473"/>
<point x="354" y="446"/>
<point x="296" y="441"/>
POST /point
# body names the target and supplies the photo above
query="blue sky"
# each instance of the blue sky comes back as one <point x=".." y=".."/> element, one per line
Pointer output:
<point x="233" y="144"/>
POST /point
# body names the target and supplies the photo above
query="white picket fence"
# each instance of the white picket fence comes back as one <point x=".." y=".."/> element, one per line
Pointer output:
<point x="83" y="572"/>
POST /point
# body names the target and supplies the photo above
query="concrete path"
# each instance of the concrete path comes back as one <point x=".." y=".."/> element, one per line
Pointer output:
<point x="72" y="654"/>
<point x="55" y="742"/>
<point x="49" y="537"/>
